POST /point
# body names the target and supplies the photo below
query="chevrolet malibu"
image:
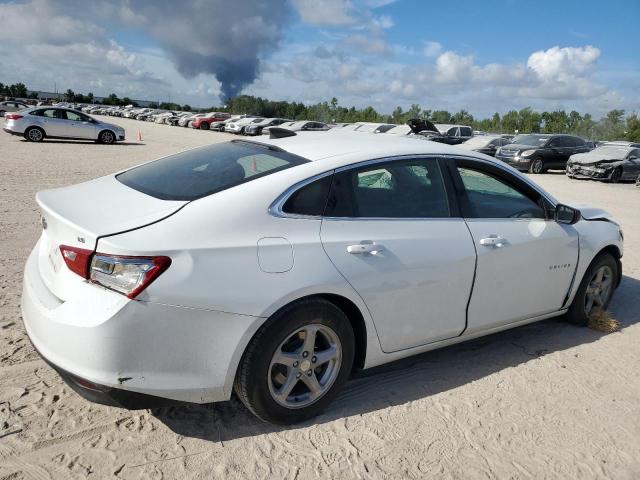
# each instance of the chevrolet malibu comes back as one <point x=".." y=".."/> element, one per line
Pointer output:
<point x="275" y="268"/>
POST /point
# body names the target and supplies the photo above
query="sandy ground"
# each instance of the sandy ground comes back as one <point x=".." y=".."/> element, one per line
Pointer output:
<point x="544" y="401"/>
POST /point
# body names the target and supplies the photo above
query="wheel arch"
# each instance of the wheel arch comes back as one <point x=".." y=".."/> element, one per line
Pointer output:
<point x="617" y="255"/>
<point x="115" y="137"/>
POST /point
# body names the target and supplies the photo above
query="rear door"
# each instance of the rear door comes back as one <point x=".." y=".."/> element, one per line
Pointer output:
<point x="526" y="261"/>
<point x="392" y="232"/>
<point x="53" y="122"/>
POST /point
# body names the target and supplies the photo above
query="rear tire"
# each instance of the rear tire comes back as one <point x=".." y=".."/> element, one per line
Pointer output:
<point x="595" y="290"/>
<point x="34" y="134"/>
<point x="537" y="166"/>
<point x="316" y="341"/>
<point x="2" y="112"/>
<point x="107" y="137"/>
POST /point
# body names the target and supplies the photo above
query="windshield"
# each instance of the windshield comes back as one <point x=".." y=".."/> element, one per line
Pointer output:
<point x="206" y="170"/>
<point x="533" y="140"/>
<point x="611" y="152"/>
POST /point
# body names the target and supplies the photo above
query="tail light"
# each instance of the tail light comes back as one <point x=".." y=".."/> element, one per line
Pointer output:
<point x="126" y="275"/>
<point x="77" y="259"/>
<point x="12" y="116"/>
<point x="123" y="274"/>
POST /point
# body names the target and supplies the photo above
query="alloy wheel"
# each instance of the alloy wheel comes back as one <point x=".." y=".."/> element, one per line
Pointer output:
<point x="599" y="289"/>
<point x="305" y="366"/>
<point x="35" y="135"/>
<point x="107" y="137"/>
<point x="537" y="166"/>
<point x="616" y="176"/>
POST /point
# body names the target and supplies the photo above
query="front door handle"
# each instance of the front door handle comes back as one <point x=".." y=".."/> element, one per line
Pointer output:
<point x="493" y="241"/>
<point x="371" y="248"/>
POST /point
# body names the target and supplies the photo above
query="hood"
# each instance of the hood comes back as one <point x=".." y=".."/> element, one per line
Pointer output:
<point x="591" y="158"/>
<point x="418" y="125"/>
<point x="588" y="212"/>
<point x="519" y="146"/>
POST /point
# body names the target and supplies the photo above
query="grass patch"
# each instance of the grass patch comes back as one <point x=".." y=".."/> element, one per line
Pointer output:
<point x="602" y="321"/>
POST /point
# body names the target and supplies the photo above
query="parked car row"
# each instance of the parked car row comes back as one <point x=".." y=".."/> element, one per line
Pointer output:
<point x="533" y="152"/>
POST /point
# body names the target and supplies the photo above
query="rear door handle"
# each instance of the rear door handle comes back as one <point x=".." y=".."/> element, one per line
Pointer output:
<point x="493" y="241"/>
<point x="359" y="248"/>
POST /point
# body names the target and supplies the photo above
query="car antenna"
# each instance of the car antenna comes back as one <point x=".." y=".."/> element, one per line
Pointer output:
<point x="276" y="132"/>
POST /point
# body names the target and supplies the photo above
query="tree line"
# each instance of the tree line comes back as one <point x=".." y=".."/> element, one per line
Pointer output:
<point x="615" y="125"/>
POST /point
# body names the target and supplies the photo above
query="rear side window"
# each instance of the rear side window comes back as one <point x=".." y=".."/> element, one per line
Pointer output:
<point x="203" y="171"/>
<point x="465" y="132"/>
<point x="397" y="189"/>
<point x="310" y="199"/>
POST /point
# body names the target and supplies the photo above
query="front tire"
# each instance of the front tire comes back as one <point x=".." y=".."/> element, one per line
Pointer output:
<point x="204" y="126"/>
<point x="107" y="137"/>
<point x="616" y="176"/>
<point x="297" y="362"/>
<point x="596" y="289"/>
<point x="537" y="166"/>
<point x="34" y="134"/>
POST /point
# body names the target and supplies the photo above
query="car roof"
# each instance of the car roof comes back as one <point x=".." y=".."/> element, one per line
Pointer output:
<point x="356" y="147"/>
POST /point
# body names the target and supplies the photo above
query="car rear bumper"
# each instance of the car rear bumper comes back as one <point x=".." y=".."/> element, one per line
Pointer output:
<point x="12" y="132"/>
<point x="132" y="353"/>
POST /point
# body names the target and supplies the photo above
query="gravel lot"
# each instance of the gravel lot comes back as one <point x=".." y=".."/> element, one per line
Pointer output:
<point x="547" y="400"/>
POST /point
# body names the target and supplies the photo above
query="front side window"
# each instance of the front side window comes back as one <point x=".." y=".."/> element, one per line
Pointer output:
<point x="74" y="116"/>
<point x="453" y="132"/>
<point x="397" y="189"/>
<point x="203" y="171"/>
<point x="487" y="196"/>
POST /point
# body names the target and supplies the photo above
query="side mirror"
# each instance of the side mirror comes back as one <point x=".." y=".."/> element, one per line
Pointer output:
<point x="566" y="214"/>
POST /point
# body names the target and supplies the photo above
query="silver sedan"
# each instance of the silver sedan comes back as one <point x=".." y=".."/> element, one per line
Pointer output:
<point x="36" y="124"/>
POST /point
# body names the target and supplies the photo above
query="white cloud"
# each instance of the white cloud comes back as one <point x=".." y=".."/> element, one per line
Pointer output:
<point x="333" y="13"/>
<point x="383" y="21"/>
<point x="432" y="49"/>
<point x="556" y="63"/>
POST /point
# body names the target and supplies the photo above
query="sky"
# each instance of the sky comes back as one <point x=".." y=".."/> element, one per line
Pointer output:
<point x="480" y="56"/>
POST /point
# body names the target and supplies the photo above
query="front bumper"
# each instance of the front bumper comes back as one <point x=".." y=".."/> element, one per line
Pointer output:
<point x="133" y="353"/>
<point x="519" y="163"/>
<point x="584" y="172"/>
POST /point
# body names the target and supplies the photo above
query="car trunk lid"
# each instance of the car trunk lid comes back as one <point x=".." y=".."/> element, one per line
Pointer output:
<point x="78" y="215"/>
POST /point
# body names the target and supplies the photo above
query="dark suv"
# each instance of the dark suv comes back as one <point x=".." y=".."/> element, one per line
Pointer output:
<point x="538" y="153"/>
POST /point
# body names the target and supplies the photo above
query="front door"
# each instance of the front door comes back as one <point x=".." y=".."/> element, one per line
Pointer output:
<point x="526" y="262"/>
<point x="389" y="232"/>
<point x="80" y="126"/>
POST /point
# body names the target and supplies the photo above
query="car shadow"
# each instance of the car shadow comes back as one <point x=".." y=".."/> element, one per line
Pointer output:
<point x="410" y="379"/>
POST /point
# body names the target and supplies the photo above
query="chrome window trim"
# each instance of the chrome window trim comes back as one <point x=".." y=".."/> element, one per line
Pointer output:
<point x="275" y="209"/>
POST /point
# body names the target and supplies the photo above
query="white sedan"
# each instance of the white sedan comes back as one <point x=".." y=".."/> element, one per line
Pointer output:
<point x="275" y="268"/>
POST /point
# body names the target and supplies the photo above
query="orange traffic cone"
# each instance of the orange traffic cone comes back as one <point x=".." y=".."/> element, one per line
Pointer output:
<point x="139" y="136"/>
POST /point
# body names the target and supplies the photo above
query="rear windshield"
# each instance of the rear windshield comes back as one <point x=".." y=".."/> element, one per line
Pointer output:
<point x="203" y="171"/>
